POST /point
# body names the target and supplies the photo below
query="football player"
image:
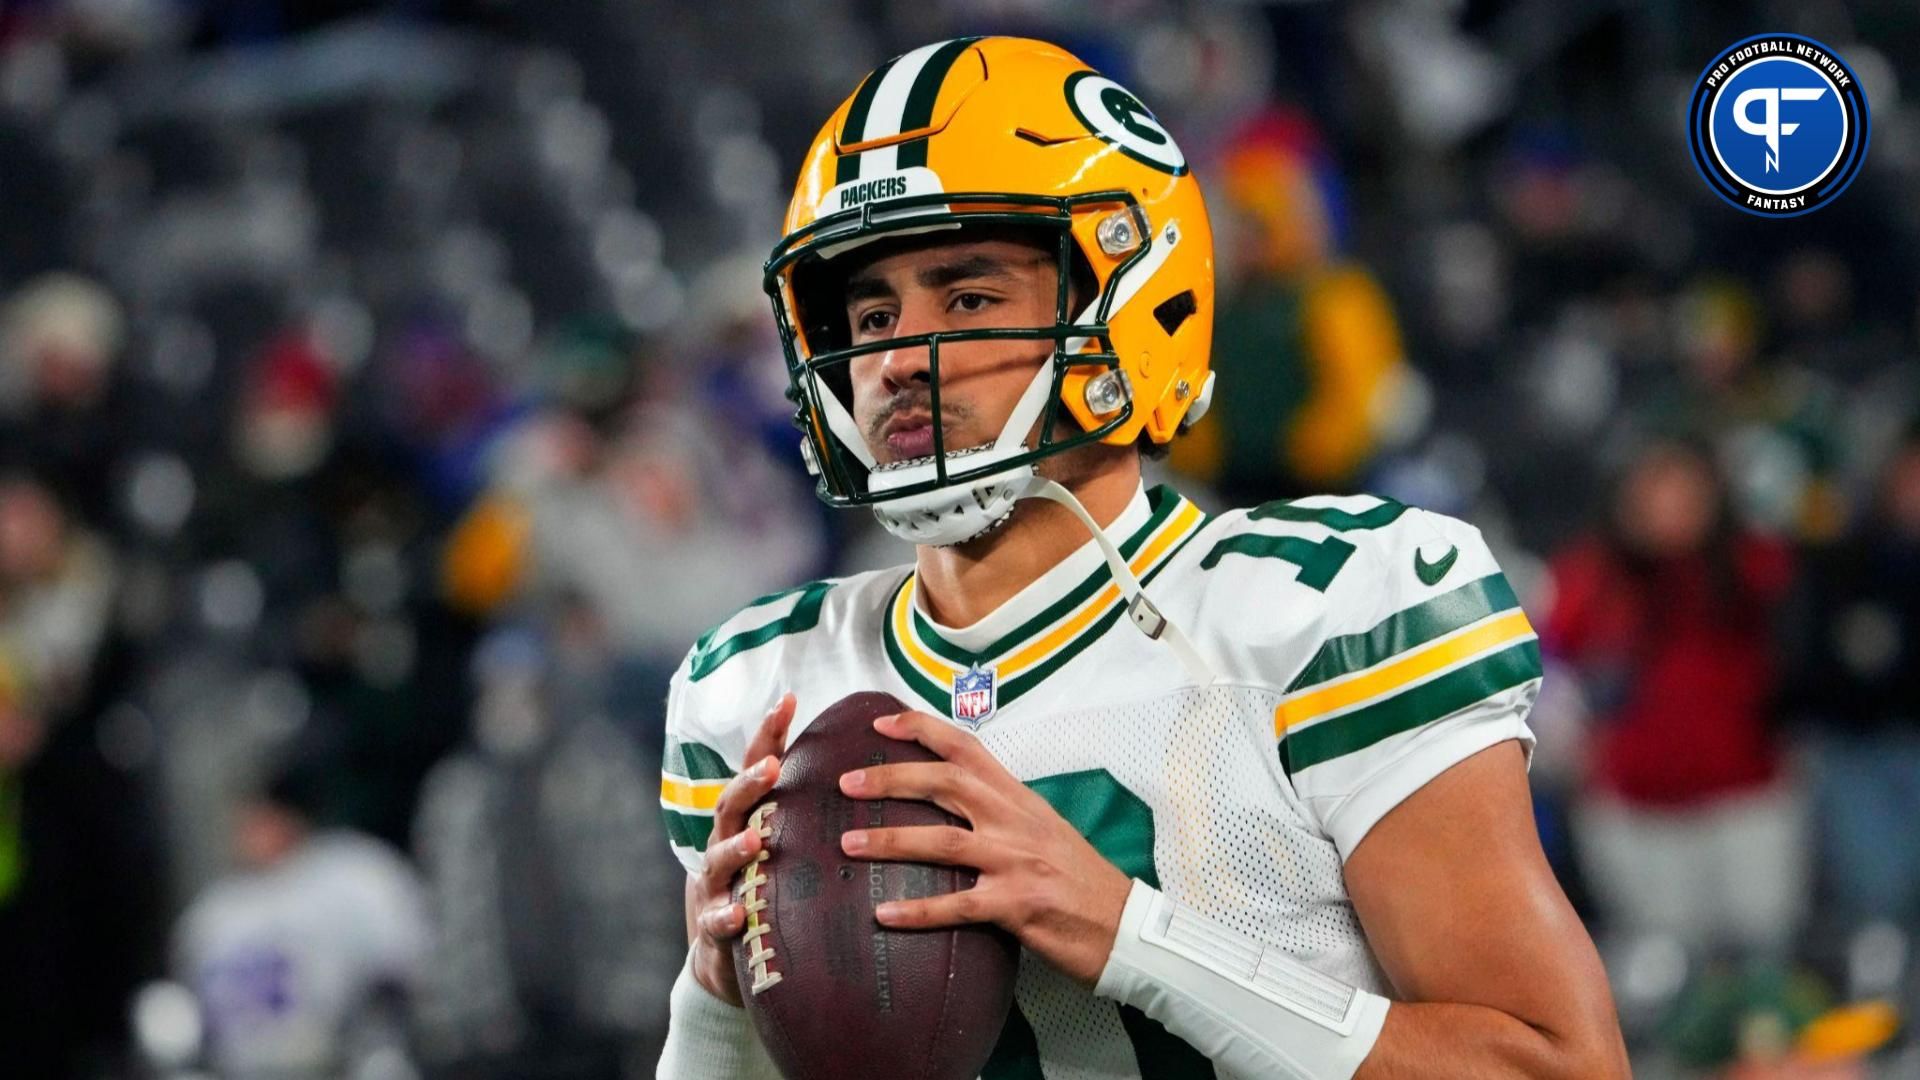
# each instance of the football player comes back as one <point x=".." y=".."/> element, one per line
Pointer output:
<point x="1249" y="789"/>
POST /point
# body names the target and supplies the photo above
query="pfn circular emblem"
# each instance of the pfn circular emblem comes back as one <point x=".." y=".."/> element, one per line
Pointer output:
<point x="1112" y="112"/>
<point x="1778" y="125"/>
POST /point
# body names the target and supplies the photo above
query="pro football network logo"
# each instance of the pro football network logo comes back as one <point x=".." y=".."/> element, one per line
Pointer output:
<point x="974" y="696"/>
<point x="1778" y="125"/>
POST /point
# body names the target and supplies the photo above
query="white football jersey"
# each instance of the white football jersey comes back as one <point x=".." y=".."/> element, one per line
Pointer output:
<point x="1360" y="647"/>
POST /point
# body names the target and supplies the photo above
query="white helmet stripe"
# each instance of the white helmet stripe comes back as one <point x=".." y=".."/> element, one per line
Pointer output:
<point x="889" y="106"/>
<point x="1128" y="285"/>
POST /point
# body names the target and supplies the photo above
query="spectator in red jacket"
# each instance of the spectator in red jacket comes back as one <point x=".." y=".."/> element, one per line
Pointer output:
<point x="1689" y="825"/>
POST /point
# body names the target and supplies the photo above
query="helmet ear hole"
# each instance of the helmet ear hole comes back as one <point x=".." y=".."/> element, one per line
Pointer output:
<point x="1175" y="310"/>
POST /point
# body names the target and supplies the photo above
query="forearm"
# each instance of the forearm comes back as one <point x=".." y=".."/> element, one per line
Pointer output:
<point x="1258" y="1013"/>
<point x="710" y="1039"/>
<point x="1475" y="1042"/>
<point x="1251" y="1010"/>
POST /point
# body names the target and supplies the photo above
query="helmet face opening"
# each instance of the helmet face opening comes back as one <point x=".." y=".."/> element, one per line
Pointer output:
<point x="805" y="279"/>
<point x="991" y="134"/>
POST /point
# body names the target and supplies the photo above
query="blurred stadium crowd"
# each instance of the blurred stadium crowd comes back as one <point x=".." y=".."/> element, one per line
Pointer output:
<point x="388" y="400"/>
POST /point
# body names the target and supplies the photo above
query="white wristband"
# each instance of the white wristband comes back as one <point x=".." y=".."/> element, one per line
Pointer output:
<point x="1241" y="1003"/>
<point x="710" y="1039"/>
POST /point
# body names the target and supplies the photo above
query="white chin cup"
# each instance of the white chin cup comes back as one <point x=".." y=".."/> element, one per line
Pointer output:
<point x="950" y="515"/>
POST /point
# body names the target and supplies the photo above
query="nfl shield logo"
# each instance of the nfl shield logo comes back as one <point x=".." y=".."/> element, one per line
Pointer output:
<point x="973" y="696"/>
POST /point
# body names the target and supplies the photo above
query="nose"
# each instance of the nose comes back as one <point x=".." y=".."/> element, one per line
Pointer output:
<point x="902" y="367"/>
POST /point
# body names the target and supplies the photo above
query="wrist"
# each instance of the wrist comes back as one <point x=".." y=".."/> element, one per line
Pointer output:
<point x="1077" y="936"/>
<point x="714" y="976"/>
<point x="1110" y="914"/>
<point x="1133" y="915"/>
<point x="708" y="1036"/>
<point x="1234" y="998"/>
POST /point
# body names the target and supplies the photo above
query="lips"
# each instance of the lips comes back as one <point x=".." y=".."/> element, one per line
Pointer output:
<point x="914" y="440"/>
<point x="908" y="435"/>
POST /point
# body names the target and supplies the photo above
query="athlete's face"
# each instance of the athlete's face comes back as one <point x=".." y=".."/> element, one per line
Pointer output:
<point x="970" y="285"/>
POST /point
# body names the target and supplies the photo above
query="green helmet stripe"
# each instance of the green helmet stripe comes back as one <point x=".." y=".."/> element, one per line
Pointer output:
<point x="926" y="90"/>
<point x="848" y="167"/>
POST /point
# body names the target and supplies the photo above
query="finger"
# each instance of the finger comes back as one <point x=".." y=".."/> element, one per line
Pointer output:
<point x="726" y="856"/>
<point x="945" y="844"/>
<point x="975" y="905"/>
<point x="771" y="736"/>
<point x="942" y="783"/>
<point x="742" y="792"/>
<point x="722" y="922"/>
<point x="940" y="737"/>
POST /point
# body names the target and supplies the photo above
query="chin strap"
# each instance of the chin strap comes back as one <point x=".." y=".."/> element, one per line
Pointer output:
<point x="1140" y="609"/>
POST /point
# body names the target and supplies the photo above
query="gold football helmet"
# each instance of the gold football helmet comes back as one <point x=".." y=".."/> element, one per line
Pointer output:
<point x="995" y="132"/>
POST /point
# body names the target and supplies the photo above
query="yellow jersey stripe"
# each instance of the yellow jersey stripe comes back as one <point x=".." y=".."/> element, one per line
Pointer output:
<point x="691" y="795"/>
<point x="1181" y="523"/>
<point x="1402" y="671"/>
<point x="939" y="670"/>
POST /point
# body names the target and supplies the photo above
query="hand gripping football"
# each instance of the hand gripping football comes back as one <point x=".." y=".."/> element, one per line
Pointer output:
<point x="834" y="994"/>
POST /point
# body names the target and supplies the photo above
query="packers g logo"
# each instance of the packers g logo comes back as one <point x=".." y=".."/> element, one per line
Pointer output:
<point x="1778" y="125"/>
<point x="1110" y="111"/>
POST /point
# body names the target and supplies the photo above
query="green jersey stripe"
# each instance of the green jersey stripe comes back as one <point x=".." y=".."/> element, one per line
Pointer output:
<point x="1442" y="696"/>
<point x="1333" y="518"/>
<point x="1163" y="500"/>
<point x="1406" y="629"/>
<point x="694" y="761"/>
<point x="1038" y="674"/>
<point x="687" y="830"/>
<point x="707" y="656"/>
<point x="937" y="645"/>
<point x="938" y="699"/>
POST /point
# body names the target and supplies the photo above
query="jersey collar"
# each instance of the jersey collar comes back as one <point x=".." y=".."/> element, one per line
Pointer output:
<point x="1046" y="623"/>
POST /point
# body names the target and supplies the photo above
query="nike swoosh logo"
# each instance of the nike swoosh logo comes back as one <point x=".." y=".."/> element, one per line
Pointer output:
<point x="1430" y="573"/>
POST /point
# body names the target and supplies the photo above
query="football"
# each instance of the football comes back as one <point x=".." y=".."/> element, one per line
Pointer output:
<point x="832" y="993"/>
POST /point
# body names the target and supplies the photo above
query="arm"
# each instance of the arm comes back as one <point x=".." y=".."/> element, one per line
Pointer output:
<point x="1498" y="975"/>
<point x="709" y="1034"/>
<point x="1440" y="874"/>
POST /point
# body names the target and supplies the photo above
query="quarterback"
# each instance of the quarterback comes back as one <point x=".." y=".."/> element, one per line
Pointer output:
<point x="1249" y="789"/>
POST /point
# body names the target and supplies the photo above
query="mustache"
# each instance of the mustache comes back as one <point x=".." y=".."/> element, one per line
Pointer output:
<point x="916" y="399"/>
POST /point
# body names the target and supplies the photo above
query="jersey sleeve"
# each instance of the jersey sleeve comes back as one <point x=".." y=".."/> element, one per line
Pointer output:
<point x="1427" y="660"/>
<point x="715" y="702"/>
<point x="693" y="770"/>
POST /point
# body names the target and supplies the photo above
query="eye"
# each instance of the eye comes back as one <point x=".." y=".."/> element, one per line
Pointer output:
<point x="972" y="302"/>
<point x="875" y="321"/>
